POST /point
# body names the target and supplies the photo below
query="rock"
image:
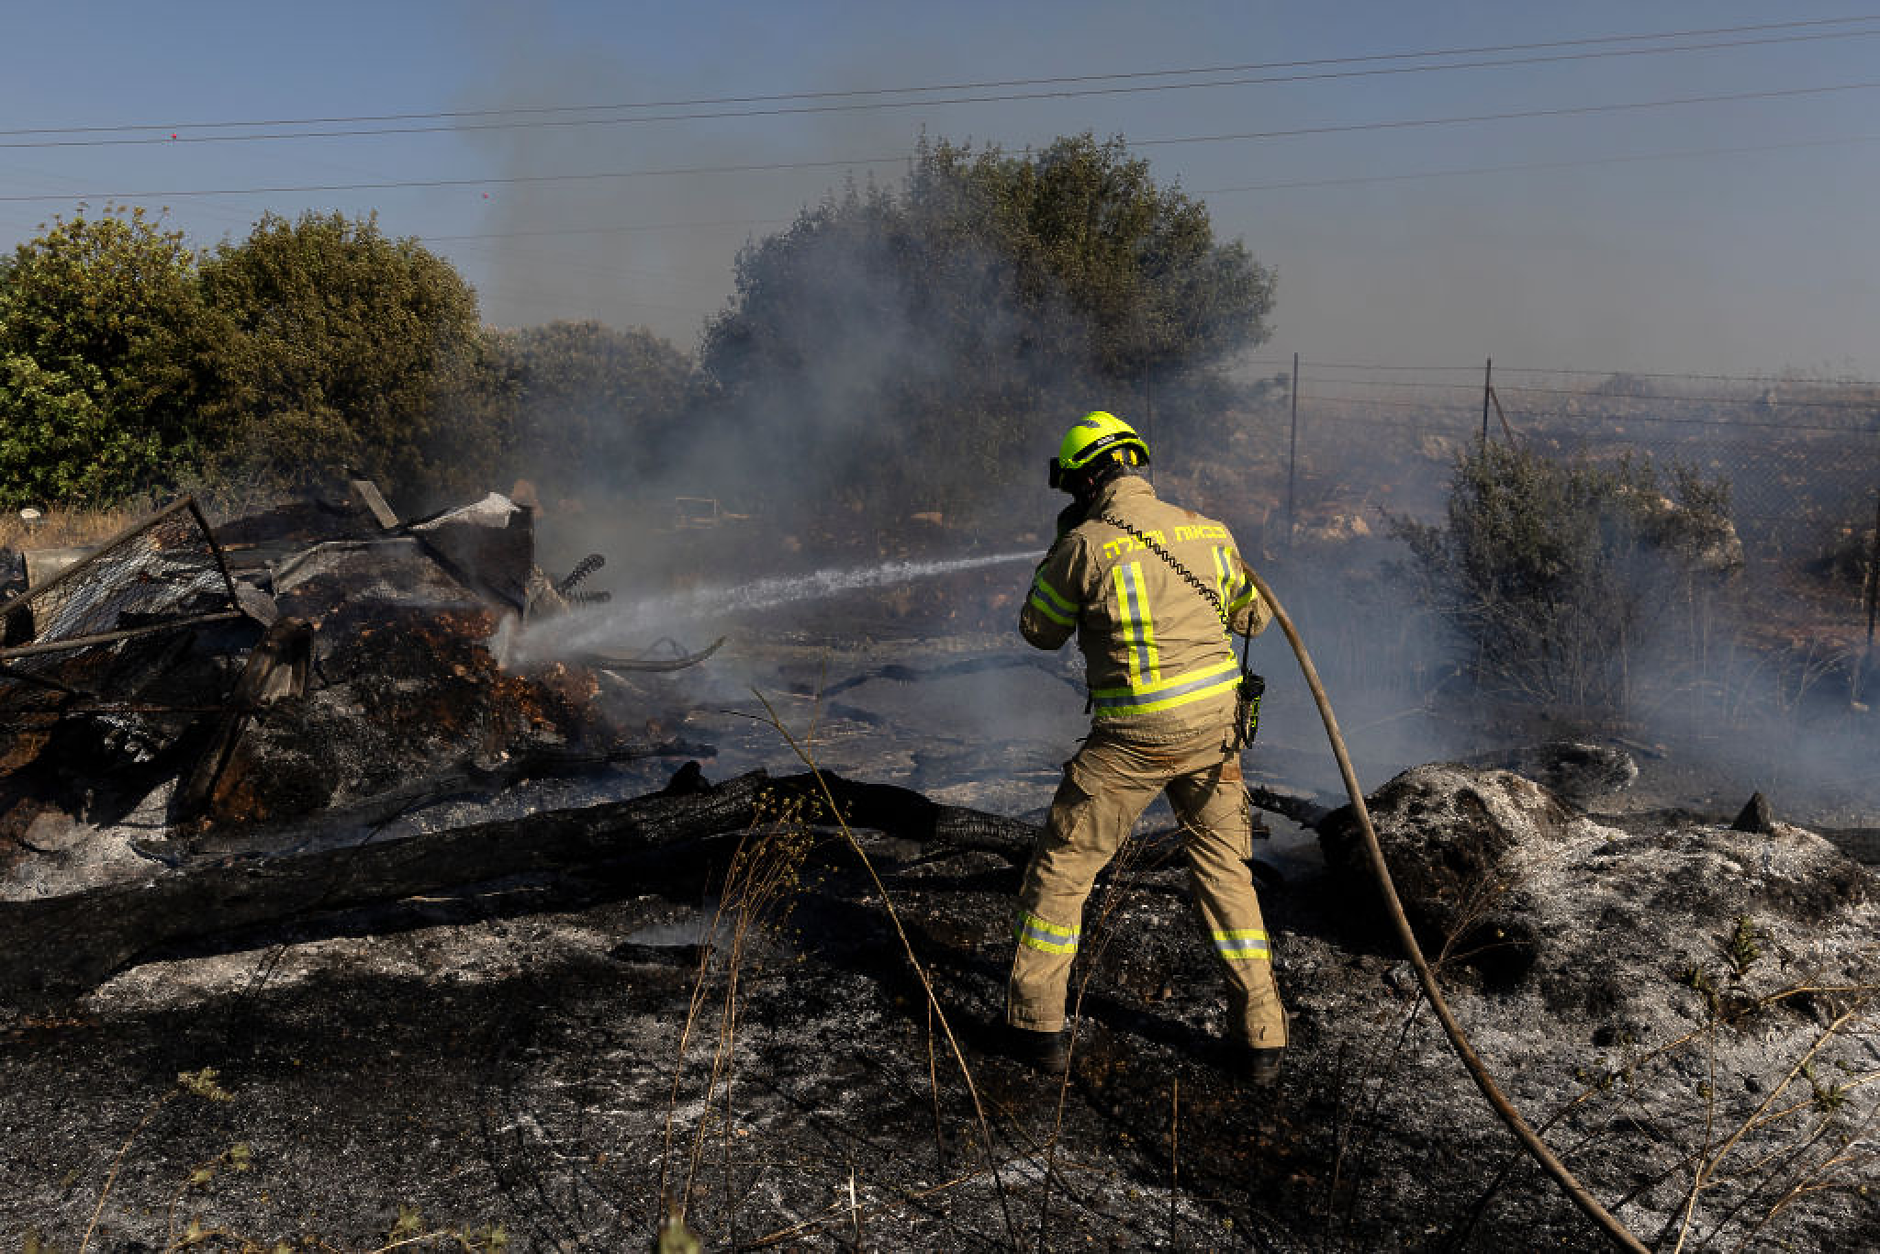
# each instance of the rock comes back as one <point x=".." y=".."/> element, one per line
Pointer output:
<point x="1332" y="529"/>
<point x="1755" y="816"/>
<point x="1438" y="448"/>
<point x="1447" y="833"/>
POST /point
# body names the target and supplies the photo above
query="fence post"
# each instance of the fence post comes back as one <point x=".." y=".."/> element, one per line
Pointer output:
<point x="1488" y="390"/>
<point x="1292" y="459"/>
<point x="1865" y="669"/>
<point x="1873" y="573"/>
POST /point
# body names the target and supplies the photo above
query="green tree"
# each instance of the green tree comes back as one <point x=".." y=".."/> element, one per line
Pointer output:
<point x="339" y="343"/>
<point x="1087" y="232"/>
<point x="102" y="335"/>
<point x="591" y="399"/>
<point x="920" y="346"/>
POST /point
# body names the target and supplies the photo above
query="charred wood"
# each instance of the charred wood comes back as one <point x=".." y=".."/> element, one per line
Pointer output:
<point x="1306" y="811"/>
<point x="277" y="667"/>
<point x="55" y="948"/>
<point x="468" y="783"/>
<point x="914" y="816"/>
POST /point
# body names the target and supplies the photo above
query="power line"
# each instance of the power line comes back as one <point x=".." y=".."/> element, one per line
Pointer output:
<point x="496" y="181"/>
<point x="608" y="230"/>
<point x="1562" y="111"/>
<point x="1293" y="132"/>
<point x="177" y="136"/>
<point x="990" y="84"/>
<point x="1529" y="166"/>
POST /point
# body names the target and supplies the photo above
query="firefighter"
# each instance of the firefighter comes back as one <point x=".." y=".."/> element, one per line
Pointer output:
<point x="1153" y="593"/>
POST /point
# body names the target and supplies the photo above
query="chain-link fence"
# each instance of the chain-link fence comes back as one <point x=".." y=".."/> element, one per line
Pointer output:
<point x="1801" y="456"/>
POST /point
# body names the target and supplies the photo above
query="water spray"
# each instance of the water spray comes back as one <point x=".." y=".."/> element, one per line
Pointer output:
<point x="624" y="622"/>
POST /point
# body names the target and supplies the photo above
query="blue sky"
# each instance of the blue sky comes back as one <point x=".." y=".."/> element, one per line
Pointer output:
<point x="1591" y="239"/>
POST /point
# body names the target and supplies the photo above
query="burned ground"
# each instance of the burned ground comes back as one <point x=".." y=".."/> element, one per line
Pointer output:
<point x="554" y="1051"/>
<point x="518" y="1067"/>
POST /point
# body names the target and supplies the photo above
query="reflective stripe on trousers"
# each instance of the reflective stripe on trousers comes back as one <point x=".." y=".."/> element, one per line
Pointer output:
<point x="1043" y="934"/>
<point x="1242" y="944"/>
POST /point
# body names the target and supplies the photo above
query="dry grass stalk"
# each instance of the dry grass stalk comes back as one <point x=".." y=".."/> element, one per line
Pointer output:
<point x="1707" y="1171"/>
<point x="808" y="758"/>
<point x="64" y="528"/>
<point x="1124" y="874"/>
<point x="762" y="874"/>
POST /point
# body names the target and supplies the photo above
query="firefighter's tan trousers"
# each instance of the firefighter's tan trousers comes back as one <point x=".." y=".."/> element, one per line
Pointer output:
<point x="1105" y="789"/>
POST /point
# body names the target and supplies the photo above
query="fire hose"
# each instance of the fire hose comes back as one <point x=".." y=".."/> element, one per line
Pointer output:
<point x="1537" y="1149"/>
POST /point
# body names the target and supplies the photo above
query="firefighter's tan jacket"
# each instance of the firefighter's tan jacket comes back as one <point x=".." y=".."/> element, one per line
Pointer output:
<point x="1157" y="654"/>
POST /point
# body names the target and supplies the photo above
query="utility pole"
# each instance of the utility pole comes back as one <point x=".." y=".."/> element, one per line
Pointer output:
<point x="1292" y="459"/>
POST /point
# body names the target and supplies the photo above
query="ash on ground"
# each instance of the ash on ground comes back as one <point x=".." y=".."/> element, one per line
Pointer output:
<point x="739" y="1025"/>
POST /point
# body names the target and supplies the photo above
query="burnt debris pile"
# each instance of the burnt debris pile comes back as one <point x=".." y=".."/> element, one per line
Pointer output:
<point x="183" y="689"/>
<point x="298" y="660"/>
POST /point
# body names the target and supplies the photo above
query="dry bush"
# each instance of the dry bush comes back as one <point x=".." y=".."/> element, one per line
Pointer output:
<point x="1558" y="575"/>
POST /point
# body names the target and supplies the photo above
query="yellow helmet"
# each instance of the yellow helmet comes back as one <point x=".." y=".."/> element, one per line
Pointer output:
<point x="1096" y="437"/>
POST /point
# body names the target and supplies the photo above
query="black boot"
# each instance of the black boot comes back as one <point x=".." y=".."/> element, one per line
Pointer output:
<point x="1262" y="1064"/>
<point x="1048" y="1052"/>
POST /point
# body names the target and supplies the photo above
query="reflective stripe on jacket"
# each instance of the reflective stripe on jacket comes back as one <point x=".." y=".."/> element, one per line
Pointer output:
<point x="1154" y="647"/>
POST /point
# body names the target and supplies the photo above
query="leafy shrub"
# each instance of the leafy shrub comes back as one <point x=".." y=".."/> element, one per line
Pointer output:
<point x="1557" y="575"/>
<point x="102" y="332"/>
<point x="335" y="343"/>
